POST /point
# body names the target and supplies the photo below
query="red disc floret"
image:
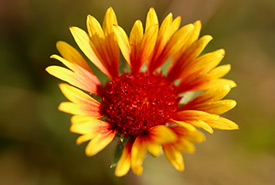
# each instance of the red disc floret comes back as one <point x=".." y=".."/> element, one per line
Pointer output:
<point x="133" y="103"/>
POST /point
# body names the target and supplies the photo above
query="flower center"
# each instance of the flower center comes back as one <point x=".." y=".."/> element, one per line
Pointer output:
<point x="133" y="103"/>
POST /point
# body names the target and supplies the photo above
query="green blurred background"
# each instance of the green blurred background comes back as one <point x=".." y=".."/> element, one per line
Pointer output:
<point x="36" y="147"/>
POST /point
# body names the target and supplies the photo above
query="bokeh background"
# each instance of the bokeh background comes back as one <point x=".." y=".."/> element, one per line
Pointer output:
<point x="36" y="147"/>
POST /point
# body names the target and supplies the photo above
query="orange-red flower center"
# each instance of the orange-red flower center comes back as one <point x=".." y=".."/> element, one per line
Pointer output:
<point x="133" y="103"/>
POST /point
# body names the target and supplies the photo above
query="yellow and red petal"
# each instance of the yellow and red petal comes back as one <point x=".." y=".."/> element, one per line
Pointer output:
<point x="111" y="44"/>
<point x="135" y="40"/>
<point x="176" y="42"/>
<point x="203" y="64"/>
<point x="161" y="134"/>
<point x="164" y="35"/>
<point x="77" y="96"/>
<point x="192" y="135"/>
<point x="100" y="46"/>
<point x="80" y="72"/>
<point x="83" y="41"/>
<point x="82" y="103"/>
<point x="81" y="76"/>
<point x="88" y="125"/>
<point x="194" y="115"/>
<point x="211" y="95"/>
<point x="184" y="58"/>
<point x="70" y="77"/>
<point x="147" y="45"/>
<point x="196" y="118"/>
<point x="167" y="29"/>
<point x="139" y="47"/>
<point x="149" y="142"/>
<point x="209" y="101"/>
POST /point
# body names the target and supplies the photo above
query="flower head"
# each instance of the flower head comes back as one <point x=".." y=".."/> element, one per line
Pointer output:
<point x="143" y="107"/>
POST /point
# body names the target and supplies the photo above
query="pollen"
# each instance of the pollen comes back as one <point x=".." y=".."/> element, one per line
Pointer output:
<point x="133" y="103"/>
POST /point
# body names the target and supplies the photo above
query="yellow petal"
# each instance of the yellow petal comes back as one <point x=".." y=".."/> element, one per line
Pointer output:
<point x="99" y="142"/>
<point x="84" y="138"/>
<point x="160" y="54"/>
<point x="175" y="25"/>
<point x="205" y="62"/>
<point x="111" y="45"/>
<point x="136" y="36"/>
<point x="220" y="71"/>
<point x="183" y="133"/>
<point x="196" y="137"/>
<point x="218" y="107"/>
<point x="76" y="95"/>
<point x="79" y="109"/>
<point x="71" y="55"/>
<point x="195" y="115"/>
<point x="92" y="126"/>
<point x="89" y="129"/>
<point x="148" y="42"/>
<point x="213" y="94"/>
<point x="185" y="56"/>
<point x="138" y="155"/>
<point x="197" y="47"/>
<point x="124" y="163"/>
<point x="82" y="104"/>
<point x="178" y="40"/>
<point x="123" y="43"/>
<point x="185" y="146"/>
<point x="154" y="149"/>
<point x="222" y="82"/>
<point x="185" y="125"/>
<point x="151" y="19"/>
<point x="195" y="33"/>
<point x="83" y="41"/>
<point x="167" y="29"/>
<point x="94" y="27"/>
<point x="165" y="33"/>
<point x="136" y="33"/>
<point x="63" y="74"/>
<point x="203" y="125"/>
<point x="223" y="124"/>
<point x="71" y="108"/>
<point x="174" y="157"/>
<point x="78" y="119"/>
<point x="109" y="21"/>
<point x="83" y="128"/>
<point x="67" y="63"/>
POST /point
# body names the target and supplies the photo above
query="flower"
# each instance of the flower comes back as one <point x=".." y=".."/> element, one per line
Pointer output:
<point x="143" y="107"/>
